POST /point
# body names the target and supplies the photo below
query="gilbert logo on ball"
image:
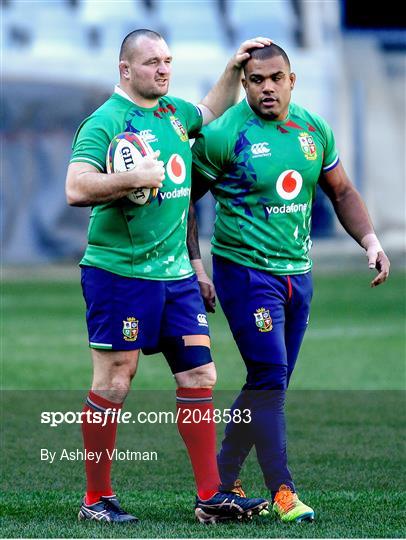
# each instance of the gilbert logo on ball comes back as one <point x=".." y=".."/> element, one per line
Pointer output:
<point x="176" y="169"/>
<point x="124" y="151"/>
<point x="289" y="184"/>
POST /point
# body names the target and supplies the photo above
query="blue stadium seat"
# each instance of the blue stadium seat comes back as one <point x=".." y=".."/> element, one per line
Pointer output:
<point x="184" y="24"/>
<point x="50" y="27"/>
<point x="275" y="20"/>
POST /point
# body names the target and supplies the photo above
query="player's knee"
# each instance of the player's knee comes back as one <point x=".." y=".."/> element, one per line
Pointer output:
<point x="119" y="388"/>
<point x="113" y="387"/>
<point x="266" y="376"/>
<point x="200" y="377"/>
<point x="206" y="376"/>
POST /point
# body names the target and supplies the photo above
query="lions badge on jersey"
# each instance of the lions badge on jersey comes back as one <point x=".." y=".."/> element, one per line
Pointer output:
<point x="178" y="127"/>
<point x="263" y="320"/>
<point x="130" y="329"/>
<point x="308" y="146"/>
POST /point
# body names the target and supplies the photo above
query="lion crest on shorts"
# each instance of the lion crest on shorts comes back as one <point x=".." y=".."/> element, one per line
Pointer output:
<point x="263" y="320"/>
<point x="130" y="329"/>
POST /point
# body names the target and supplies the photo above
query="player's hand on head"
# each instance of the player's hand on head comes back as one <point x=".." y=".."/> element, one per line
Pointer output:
<point x="381" y="263"/>
<point x="242" y="54"/>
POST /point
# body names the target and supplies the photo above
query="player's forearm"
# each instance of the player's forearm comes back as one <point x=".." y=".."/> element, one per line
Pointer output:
<point x="225" y="92"/>
<point x="205" y="283"/>
<point x="353" y="214"/>
<point x="86" y="186"/>
<point x="192" y="234"/>
<point x="91" y="188"/>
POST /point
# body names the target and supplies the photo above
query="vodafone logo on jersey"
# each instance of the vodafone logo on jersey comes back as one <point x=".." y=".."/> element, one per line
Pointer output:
<point x="289" y="184"/>
<point x="176" y="169"/>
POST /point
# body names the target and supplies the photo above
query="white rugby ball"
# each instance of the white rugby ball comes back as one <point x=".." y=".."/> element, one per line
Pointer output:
<point x="123" y="153"/>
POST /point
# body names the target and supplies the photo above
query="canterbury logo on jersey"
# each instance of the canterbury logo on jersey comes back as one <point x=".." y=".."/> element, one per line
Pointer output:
<point x="260" y="149"/>
<point x="148" y="136"/>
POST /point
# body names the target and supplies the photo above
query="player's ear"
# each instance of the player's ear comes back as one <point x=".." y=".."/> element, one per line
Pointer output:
<point x="244" y="83"/>
<point x="292" y="78"/>
<point x="124" y="68"/>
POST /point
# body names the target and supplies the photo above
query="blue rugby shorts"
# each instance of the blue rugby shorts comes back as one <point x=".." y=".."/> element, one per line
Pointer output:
<point x="130" y="313"/>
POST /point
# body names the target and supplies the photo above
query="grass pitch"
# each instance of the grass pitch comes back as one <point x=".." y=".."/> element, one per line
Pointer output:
<point x="345" y="411"/>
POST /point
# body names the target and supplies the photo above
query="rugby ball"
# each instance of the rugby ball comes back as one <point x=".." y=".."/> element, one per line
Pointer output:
<point x="123" y="153"/>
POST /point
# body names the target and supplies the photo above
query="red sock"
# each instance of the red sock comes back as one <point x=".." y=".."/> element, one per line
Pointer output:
<point x="199" y="436"/>
<point x="98" y="438"/>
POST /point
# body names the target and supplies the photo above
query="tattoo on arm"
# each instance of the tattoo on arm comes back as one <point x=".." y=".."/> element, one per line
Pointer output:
<point x="192" y="234"/>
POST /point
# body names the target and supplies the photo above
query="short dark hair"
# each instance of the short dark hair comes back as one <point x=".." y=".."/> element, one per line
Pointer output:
<point x="131" y="38"/>
<point x="269" y="51"/>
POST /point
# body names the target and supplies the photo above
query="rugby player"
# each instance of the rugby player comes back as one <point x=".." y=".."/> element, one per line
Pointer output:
<point x="262" y="160"/>
<point x="140" y="289"/>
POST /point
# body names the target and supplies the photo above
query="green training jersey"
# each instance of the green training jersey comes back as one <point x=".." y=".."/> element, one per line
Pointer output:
<point x="142" y="241"/>
<point x="263" y="175"/>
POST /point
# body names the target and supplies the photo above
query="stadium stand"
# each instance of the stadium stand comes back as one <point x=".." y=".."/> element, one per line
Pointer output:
<point x="65" y="52"/>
